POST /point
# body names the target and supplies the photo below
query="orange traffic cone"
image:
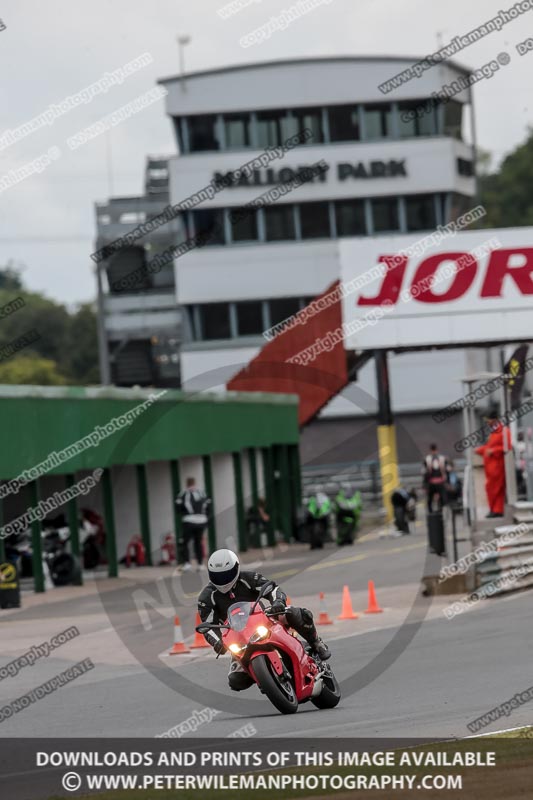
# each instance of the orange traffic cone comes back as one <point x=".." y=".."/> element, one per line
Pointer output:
<point x="179" y="646"/>
<point x="347" y="610"/>
<point x="373" y="607"/>
<point x="199" y="640"/>
<point x="324" y="618"/>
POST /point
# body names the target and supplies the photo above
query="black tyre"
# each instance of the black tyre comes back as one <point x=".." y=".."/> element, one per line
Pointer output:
<point x="278" y="689"/>
<point x="91" y="555"/>
<point x="330" y="695"/>
<point x="63" y="569"/>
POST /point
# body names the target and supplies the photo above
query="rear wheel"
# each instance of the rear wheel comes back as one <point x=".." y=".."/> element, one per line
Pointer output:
<point x="278" y="689"/>
<point x="63" y="569"/>
<point x="330" y="695"/>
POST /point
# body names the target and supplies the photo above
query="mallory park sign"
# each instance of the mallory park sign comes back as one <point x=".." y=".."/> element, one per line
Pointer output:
<point x="345" y="170"/>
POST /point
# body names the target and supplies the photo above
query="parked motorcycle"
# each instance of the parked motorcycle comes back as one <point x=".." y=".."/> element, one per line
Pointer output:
<point x="64" y="568"/>
<point x="348" y="513"/>
<point x="93" y="537"/>
<point x="284" y="668"/>
<point x="318" y="514"/>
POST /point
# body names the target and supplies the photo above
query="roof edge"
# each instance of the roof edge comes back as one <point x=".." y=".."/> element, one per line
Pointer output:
<point x="305" y="60"/>
<point x="10" y="392"/>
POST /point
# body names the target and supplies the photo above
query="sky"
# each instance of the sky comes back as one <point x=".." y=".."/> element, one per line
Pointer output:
<point x="49" y="51"/>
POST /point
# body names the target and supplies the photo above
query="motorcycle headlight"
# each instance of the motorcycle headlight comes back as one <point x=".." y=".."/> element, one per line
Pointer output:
<point x="236" y="648"/>
<point x="260" y="633"/>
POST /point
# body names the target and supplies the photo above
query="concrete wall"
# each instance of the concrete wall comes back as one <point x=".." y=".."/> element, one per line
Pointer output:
<point x="246" y="482"/>
<point x="160" y="502"/>
<point x="210" y="370"/>
<point x="346" y="440"/>
<point x="246" y="272"/>
<point x="224" y="491"/>
<point x="191" y="468"/>
<point x="127" y="523"/>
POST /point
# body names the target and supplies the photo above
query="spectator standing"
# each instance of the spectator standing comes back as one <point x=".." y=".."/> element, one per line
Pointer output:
<point x="435" y="476"/>
<point x="193" y="503"/>
<point x="493" y="452"/>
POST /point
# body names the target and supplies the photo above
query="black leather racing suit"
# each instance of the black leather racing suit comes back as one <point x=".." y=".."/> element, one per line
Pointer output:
<point x="213" y="607"/>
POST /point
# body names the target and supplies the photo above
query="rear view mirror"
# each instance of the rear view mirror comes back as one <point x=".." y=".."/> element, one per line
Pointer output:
<point x="267" y="588"/>
<point x="204" y="628"/>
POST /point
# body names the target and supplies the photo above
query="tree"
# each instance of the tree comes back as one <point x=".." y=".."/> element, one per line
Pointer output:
<point x="483" y="162"/>
<point x="31" y="369"/>
<point x="10" y="278"/>
<point x="82" y="346"/>
<point x="508" y="194"/>
<point x="50" y="319"/>
<point x="66" y="351"/>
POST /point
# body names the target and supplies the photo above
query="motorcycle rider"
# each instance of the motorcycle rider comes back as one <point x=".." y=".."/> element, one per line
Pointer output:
<point x="229" y="584"/>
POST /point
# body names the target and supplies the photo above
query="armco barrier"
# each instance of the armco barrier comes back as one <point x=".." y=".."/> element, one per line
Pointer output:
<point x="503" y="563"/>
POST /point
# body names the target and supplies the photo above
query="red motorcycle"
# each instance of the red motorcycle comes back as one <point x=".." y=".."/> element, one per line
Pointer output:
<point x="283" y="667"/>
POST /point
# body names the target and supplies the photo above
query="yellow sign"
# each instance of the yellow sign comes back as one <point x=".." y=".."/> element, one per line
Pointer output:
<point x="8" y="573"/>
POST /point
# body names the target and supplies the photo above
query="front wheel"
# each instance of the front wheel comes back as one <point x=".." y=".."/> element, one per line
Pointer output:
<point x="277" y="688"/>
<point x="330" y="695"/>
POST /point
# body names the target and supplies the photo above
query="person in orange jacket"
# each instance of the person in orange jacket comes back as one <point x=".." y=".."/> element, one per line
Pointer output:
<point x="493" y="462"/>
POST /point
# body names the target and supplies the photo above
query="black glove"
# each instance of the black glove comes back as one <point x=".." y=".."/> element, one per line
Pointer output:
<point x="219" y="648"/>
<point x="278" y="607"/>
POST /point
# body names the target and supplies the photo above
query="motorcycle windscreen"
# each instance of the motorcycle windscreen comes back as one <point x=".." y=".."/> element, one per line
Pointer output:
<point x="238" y="614"/>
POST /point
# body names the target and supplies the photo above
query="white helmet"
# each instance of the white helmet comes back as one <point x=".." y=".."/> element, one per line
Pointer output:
<point x="223" y="568"/>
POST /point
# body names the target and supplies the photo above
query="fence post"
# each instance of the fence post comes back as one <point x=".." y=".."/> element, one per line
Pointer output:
<point x="144" y="514"/>
<point x="253" y="476"/>
<point x="36" y="540"/>
<point x="239" y="502"/>
<point x="2" y="545"/>
<point x="374" y="479"/>
<point x="74" y="528"/>
<point x="296" y="475"/>
<point x="281" y="460"/>
<point x="109" y="516"/>
<point x="178" y="522"/>
<point x="268" y="477"/>
<point x="253" y="533"/>
<point x="208" y="484"/>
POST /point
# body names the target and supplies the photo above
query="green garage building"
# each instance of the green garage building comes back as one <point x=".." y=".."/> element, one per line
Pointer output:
<point x="145" y="443"/>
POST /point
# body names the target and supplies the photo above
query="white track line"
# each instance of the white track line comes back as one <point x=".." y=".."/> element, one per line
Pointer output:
<point x="495" y="733"/>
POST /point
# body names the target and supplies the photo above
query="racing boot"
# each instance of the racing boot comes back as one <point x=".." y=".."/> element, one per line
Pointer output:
<point x="302" y="621"/>
<point x="320" y="648"/>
